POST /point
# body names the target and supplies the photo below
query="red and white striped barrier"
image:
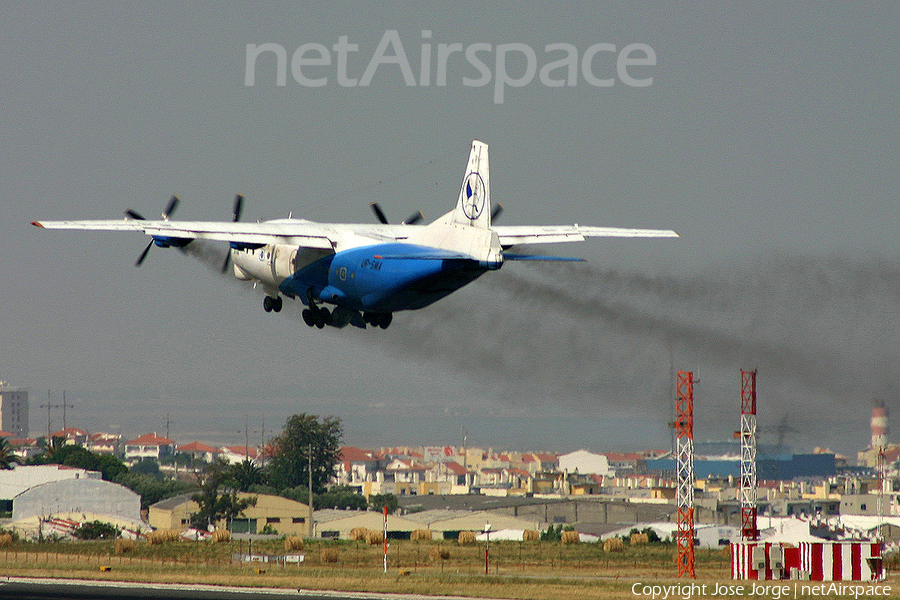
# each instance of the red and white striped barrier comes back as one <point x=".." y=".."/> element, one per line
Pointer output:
<point x="816" y="561"/>
<point x="841" y="561"/>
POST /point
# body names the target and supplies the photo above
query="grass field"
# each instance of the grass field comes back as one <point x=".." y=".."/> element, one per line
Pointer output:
<point x="526" y="570"/>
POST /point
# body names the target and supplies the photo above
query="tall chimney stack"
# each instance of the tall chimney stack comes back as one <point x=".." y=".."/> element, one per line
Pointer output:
<point x="879" y="424"/>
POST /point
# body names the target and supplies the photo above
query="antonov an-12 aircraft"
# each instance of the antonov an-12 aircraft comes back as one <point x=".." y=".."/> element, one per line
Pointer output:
<point x="365" y="272"/>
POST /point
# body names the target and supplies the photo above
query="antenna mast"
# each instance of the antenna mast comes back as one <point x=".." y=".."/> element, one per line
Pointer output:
<point x="684" y="439"/>
<point x="749" y="531"/>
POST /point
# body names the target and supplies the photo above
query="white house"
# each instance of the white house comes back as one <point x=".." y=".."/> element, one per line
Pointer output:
<point x="585" y="463"/>
<point x="149" y="445"/>
<point x="238" y="454"/>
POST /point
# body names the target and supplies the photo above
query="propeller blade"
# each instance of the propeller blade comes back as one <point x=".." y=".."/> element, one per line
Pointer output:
<point x="173" y="204"/>
<point x="235" y="217"/>
<point x="413" y="219"/>
<point x="134" y="215"/>
<point x="496" y="212"/>
<point x="143" y="255"/>
<point x="379" y="213"/>
<point x="238" y="208"/>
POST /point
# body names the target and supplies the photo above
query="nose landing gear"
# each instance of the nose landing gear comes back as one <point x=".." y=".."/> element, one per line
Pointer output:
<point x="271" y="304"/>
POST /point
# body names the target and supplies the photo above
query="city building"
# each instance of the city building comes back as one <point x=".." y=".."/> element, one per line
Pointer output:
<point x="585" y="463"/>
<point x="105" y="443"/>
<point x="199" y="451"/>
<point x="149" y="445"/>
<point x="238" y="454"/>
<point x="72" y="435"/>
<point x="13" y="410"/>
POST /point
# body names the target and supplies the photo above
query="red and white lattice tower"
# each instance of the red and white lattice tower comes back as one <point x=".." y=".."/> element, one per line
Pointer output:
<point x="684" y="444"/>
<point x="879" y="441"/>
<point x="749" y="532"/>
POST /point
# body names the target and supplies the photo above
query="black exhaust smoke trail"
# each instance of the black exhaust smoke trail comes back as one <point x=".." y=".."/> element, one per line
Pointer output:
<point x="824" y="334"/>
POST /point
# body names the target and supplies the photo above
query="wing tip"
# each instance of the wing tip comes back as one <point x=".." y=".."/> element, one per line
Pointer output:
<point x="38" y="224"/>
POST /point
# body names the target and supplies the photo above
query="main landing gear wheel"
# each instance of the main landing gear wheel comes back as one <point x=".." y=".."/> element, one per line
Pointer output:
<point x="316" y="317"/>
<point x="271" y="304"/>
<point x="382" y="320"/>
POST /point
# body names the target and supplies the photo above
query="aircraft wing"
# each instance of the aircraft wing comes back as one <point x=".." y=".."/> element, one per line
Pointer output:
<point x="331" y="236"/>
<point x="298" y="232"/>
<point x="511" y="235"/>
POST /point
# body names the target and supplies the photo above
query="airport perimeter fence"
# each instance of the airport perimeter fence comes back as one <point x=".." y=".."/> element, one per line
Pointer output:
<point x="403" y="555"/>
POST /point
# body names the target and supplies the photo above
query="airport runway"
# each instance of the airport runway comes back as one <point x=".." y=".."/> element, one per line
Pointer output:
<point x="26" y="589"/>
<point x="22" y="588"/>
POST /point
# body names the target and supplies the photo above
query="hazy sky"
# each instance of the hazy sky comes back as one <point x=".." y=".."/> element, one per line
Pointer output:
<point x="768" y="140"/>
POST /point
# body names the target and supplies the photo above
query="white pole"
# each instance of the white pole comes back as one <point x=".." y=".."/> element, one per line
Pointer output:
<point x="385" y="538"/>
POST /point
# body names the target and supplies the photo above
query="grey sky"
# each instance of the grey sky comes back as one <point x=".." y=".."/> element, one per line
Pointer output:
<point x="768" y="140"/>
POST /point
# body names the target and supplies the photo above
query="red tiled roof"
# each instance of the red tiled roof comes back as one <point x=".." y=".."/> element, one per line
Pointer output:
<point x="457" y="468"/>
<point x="151" y="439"/>
<point x="197" y="447"/>
<point x="351" y="453"/>
<point x="23" y="441"/>
<point x="68" y="431"/>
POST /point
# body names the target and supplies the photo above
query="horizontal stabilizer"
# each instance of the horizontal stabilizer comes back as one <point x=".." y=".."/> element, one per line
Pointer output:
<point x="514" y="235"/>
<point x="541" y="257"/>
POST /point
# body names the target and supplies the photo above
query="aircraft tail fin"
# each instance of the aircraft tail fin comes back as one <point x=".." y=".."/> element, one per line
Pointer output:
<point x="474" y="205"/>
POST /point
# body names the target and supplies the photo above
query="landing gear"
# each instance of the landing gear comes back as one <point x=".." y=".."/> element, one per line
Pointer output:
<point x="271" y="304"/>
<point x="382" y="320"/>
<point x="316" y="317"/>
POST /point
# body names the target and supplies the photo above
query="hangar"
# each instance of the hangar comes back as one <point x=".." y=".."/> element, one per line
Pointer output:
<point x="271" y="514"/>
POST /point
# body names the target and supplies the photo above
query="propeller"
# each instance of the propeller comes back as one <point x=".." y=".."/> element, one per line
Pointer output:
<point x="379" y="213"/>
<point x="235" y="217"/>
<point x="173" y="204"/>
<point x="411" y="220"/>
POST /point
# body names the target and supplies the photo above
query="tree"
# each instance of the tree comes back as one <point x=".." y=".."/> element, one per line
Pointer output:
<point x="552" y="534"/>
<point x="96" y="530"/>
<point x="245" y="475"/>
<point x="79" y="457"/>
<point x="291" y="452"/>
<point x="147" y="466"/>
<point x="342" y="497"/>
<point x="7" y="458"/>
<point x="56" y="445"/>
<point x="379" y="501"/>
<point x="216" y="501"/>
<point x="152" y="490"/>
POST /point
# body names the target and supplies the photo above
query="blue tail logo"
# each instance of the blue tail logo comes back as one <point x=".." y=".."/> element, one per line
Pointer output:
<point x="474" y="192"/>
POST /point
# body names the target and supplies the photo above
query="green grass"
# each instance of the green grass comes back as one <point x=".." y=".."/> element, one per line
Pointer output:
<point x="526" y="570"/>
